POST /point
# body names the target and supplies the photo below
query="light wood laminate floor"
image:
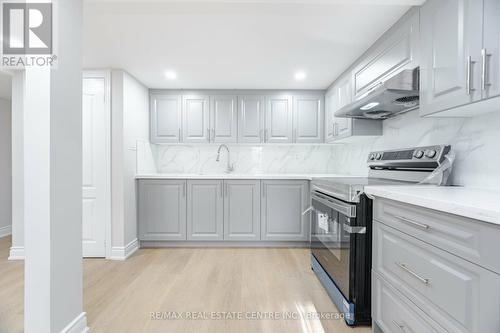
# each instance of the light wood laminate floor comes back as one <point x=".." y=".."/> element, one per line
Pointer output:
<point x="120" y="296"/>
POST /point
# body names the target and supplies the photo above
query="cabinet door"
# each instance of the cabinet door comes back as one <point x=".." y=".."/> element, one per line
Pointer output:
<point x="342" y="126"/>
<point x="279" y="120"/>
<point x="451" y="44"/>
<point x="195" y="120"/>
<point x="242" y="210"/>
<point x="308" y="119"/>
<point x="330" y="108"/>
<point x="165" y="118"/>
<point x="283" y="202"/>
<point x="223" y="119"/>
<point x="251" y="119"/>
<point x="491" y="55"/>
<point x="204" y="210"/>
<point x="396" y="51"/>
<point x="162" y="210"/>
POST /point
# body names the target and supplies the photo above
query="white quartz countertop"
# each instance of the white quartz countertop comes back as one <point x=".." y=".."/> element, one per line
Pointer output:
<point x="307" y="176"/>
<point x="479" y="204"/>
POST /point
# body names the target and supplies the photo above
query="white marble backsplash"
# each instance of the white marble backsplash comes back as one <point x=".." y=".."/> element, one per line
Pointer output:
<point x="474" y="140"/>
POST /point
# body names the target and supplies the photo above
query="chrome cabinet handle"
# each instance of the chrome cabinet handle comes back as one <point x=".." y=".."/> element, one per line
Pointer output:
<point x="400" y="326"/>
<point x="414" y="223"/>
<point x="266" y="138"/>
<point x="213" y="134"/>
<point x="484" y="70"/>
<point x="354" y="230"/>
<point x="412" y="273"/>
<point x="264" y="191"/>
<point x="221" y="190"/>
<point x="208" y="134"/>
<point x="225" y="189"/>
<point x="184" y="189"/>
<point x="469" y="87"/>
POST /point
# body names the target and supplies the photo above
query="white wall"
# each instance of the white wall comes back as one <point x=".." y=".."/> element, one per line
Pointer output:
<point x="130" y="122"/>
<point x="5" y="168"/>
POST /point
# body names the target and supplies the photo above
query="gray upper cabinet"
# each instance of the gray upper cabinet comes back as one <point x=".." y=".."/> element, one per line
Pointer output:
<point x="165" y="118"/>
<point x="279" y="119"/>
<point x="308" y="118"/>
<point x="242" y="210"/>
<point x="451" y="52"/>
<point x="283" y="202"/>
<point x="196" y="119"/>
<point x="223" y="118"/>
<point x="490" y="55"/>
<point x="395" y="51"/>
<point x="205" y="210"/>
<point x="162" y="210"/>
<point x="251" y="111"/>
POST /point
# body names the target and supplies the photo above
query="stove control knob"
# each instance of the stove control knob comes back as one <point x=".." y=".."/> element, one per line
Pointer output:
<point x="379" y="156"/>
<point x="372" y="157"/>
<point x="418" y="154"/>
<point x="430" y="153"/>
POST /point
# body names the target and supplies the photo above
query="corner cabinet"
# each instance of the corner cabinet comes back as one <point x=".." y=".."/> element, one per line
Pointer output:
<point x="162" y="210"/>
<point x="283" y="202"/>
<point x="205" y="210"/>
<point x="344" y="129"/>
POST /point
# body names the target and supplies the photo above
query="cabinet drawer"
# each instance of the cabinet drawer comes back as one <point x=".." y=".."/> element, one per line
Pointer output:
<point x="394" y="313"/>
<point x="459" y="295"/>
<point x="472" y="240"/>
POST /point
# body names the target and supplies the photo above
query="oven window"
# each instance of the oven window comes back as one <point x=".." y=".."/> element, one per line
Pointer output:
<point x="330" y="244"/>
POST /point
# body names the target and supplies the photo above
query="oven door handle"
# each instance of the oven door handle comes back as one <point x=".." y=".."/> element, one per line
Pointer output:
<point x="339" y="206"/>
<point x="354" y="230"/>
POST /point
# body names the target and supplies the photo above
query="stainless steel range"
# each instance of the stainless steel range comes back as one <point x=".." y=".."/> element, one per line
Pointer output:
<point x="341" y="224"/>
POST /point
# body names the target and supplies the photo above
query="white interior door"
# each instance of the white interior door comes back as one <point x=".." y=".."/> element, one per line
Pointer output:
<point x="96" y="174"/>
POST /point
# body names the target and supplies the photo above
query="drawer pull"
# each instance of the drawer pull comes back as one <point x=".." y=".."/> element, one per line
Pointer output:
<point x="401" y="327"/>
<point x="416" y="224"/>
<point x="412" y="273"/>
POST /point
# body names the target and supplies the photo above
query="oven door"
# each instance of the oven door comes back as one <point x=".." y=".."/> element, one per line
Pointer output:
<point x="331" y="238"/>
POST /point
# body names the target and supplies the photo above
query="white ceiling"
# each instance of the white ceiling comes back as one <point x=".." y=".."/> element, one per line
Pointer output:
<point x="234" y="43"/>
<point x="5" y="86"/>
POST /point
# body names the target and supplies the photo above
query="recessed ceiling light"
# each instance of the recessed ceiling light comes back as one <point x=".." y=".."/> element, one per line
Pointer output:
<point x="299" y="76"/>
<point x="171" y="75"/>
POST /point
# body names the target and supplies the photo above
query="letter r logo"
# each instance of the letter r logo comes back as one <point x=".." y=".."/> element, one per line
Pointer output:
<point x="27" y="28"/>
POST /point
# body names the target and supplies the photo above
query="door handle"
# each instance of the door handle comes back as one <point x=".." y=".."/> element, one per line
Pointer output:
<point x="484" y="70"/>
<point x="414" y="223"/>
<point x="412" y="273"/>
<point x="354" y="230"/>
<point x="469" y="87"/>
<point x="184" y="189"/>
<point x="208" y="134"/>
<point x="213" y="134"/>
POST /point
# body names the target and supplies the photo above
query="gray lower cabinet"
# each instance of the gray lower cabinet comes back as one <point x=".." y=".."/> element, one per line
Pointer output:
<point x="417" y="283"/>
<point x="205" y="210"/>
<point x="242" y="210"/>
<point x="283" y="202"/>
<point x="162" y="210"/>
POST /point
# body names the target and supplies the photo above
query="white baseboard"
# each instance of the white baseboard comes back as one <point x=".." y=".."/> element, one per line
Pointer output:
<point x="5" y="231"/>
<point x="16" y="253"/>
<point x="78" y="325"/>
<point x="123" y="252"/>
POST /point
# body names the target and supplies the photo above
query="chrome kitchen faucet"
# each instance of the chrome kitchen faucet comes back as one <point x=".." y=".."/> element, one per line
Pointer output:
<point x="230" y="167"/>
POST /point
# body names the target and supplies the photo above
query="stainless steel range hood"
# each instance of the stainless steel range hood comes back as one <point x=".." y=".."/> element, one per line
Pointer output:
<point x="398" y="94"/>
